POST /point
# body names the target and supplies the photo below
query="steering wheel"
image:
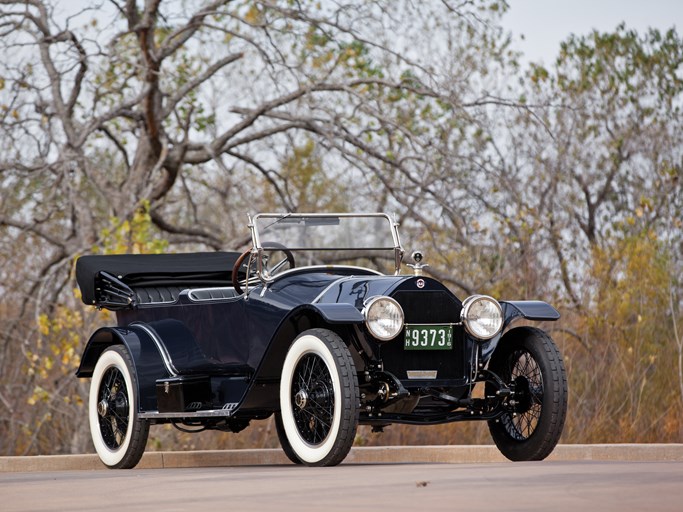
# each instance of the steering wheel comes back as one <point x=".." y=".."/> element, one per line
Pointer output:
<point x="289" y="258"/>
<point x="235" y="271"/>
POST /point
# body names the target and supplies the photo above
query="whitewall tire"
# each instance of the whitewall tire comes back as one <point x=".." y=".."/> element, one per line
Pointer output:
<point x="319" y="402"/>
<point x="118" y="434"/>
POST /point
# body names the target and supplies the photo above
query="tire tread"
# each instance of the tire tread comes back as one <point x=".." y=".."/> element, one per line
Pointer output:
<point x="350" y="409"/>
<point x="140" y="431"/>
<point x="536" y="448"/>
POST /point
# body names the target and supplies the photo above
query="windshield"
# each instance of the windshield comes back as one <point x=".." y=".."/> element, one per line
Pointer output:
<point x="328" y="232"/>
<point x="329" y="238"/>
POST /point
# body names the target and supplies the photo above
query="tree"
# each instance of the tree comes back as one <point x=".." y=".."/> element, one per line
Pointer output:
<point x="608" y="149"/>
<point x="139" y="126"/>
<point x="178" y="110"/>
<point x="602" y="168"/>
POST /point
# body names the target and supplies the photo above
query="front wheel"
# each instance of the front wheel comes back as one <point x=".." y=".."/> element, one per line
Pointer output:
<point x="319" y="399"/>
<point x="118" y="434"/>
<point x="529" y="360"/>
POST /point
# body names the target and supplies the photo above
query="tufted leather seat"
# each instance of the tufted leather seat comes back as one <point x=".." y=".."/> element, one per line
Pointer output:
<point x="157" y="294"/>
<point x="169" y="294"/>
<point x="212" y="293"/>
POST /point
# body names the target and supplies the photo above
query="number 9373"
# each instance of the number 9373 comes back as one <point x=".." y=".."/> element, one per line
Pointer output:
<point x="428" y="337"/>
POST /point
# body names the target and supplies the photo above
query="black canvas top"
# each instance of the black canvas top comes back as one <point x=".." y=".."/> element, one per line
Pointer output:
<point x="188" y="269"/>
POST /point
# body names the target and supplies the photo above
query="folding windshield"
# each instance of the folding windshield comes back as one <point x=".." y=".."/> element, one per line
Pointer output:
<point x="344" y="234"/>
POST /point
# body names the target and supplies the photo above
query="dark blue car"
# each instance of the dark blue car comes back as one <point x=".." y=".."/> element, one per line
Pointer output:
<point x="301" y="326"/>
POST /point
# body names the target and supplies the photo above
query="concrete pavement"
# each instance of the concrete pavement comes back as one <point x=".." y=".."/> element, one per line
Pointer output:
<point x="358" y="455"/>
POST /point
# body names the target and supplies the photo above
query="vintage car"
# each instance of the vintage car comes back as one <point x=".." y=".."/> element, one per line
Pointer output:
<point x="300" y="327"/>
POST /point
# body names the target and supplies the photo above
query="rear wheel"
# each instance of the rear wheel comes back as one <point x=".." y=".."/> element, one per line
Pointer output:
<point x="319" y="403"/>
<point x="118" y="434"/>
<point x="529" y="360"/>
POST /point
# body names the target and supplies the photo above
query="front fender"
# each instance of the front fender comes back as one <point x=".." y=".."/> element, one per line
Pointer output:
<point x="335" y="313"/>
<point x="149" y="365"/>
<point x="264" y="389"/>
<point x="514" y="310"/>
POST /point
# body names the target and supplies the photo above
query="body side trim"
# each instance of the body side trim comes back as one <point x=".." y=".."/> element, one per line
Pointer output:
<point x="165" y="356"/>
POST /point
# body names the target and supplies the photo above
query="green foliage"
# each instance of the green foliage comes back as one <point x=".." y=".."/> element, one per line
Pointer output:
<point x="56" y="351"/>
<point x="628" y="364"/>
<point x="311" y="189"/>
<point x="135" y="236"/>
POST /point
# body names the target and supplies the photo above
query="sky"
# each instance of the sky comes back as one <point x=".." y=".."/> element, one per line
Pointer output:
<point x="545" y="23"/>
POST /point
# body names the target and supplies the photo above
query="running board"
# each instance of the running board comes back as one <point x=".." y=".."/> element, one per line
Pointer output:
<point x="212" y="413"/>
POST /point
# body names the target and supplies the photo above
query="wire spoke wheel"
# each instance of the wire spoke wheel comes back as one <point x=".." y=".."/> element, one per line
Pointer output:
<point x="113" y="408"/>
<point x="531" y="426"/>
<point x="313" y="399"/>
<point x="528" y="384"/>
<point x="118" y="434"/>
<point x="319" y="399"/>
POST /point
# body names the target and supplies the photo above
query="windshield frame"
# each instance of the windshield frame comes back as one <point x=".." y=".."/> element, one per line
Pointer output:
<point x="258" y="249"/>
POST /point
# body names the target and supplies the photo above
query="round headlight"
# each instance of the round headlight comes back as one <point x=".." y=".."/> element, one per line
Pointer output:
<point x="482" y="316"/>
<point x="383" y="317"/>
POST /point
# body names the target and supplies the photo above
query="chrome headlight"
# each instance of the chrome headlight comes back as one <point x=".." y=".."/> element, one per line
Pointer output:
<point x="383" y="317"/>
<point x="482" y="316"/>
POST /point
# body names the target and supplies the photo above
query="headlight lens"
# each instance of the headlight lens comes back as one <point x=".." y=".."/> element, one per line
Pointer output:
<point x="482" y="316"/>
<point x="383" y="317"/>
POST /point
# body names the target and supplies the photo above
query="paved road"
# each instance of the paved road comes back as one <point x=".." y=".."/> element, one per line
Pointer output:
<point x="550" y="485"/>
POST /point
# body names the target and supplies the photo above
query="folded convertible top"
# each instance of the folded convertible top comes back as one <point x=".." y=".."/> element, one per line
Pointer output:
<point x="137" y="270"/>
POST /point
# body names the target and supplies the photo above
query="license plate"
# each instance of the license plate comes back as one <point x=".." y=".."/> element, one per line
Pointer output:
<point x="428" y="337"/>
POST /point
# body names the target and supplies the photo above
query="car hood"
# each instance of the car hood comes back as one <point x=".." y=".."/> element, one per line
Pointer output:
<point x="325" y="287"/>
<point x="356" y="290"/>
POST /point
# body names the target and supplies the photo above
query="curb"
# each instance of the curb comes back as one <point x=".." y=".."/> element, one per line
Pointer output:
<point x="360" y="455"/>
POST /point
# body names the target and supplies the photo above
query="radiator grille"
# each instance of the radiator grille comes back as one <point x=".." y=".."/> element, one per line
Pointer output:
<point x="427" y="307"/>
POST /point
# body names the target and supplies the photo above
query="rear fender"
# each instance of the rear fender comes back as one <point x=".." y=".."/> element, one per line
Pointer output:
<point x="147" y="359"/>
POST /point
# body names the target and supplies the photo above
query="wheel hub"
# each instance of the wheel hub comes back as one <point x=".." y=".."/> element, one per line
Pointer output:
<point x="121" y="404"/>
<point x="117" y="404"/>
<point x="321" y="393"/>
<point x="301" y="399"/>
<point x="103" y="408"/>
<point x="522" y="394"/>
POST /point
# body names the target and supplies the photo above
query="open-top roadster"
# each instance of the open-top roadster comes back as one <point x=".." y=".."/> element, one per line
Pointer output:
<point x="298" y="326"/>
